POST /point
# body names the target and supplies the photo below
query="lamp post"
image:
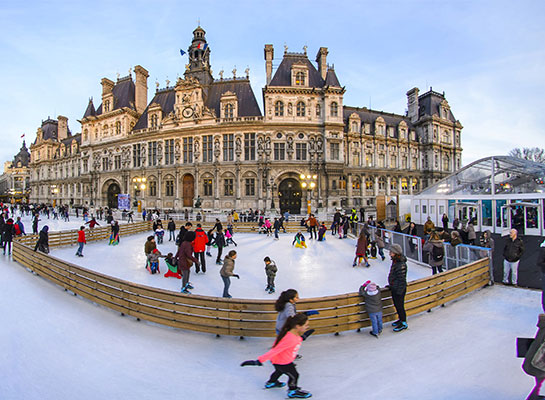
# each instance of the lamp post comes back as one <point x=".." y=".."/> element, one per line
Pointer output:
<point x="139" y="183"/>
<point x="308" y="182"/>
<point x="54" y="193"/>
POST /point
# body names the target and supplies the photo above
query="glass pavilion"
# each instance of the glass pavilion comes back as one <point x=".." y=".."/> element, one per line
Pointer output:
<point x="498" y="193"/>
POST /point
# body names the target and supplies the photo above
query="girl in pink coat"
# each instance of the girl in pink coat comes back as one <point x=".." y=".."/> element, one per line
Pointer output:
<point x="283" y="354"/>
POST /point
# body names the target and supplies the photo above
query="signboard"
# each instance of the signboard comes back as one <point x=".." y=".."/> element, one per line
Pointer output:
<point x="123" y="201"/>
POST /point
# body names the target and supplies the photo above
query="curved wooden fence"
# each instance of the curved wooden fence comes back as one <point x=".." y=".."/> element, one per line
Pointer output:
<point x="238" y="317"/>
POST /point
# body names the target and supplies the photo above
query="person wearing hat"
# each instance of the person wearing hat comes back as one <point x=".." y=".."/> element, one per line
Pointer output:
<point x="373" y="305"/>
<point x="397" y="280"/>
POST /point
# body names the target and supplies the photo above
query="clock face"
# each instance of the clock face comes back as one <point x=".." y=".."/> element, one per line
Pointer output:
<point x="187" y="112"/>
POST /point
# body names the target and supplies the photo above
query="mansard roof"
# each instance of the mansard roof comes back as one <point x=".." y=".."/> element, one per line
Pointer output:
<point x="370" y="116"/>
<point x="247" y="103"/>
<point x="90" y="111"/>
<point x="23" y="156"/>
<point x="429" y="104"/>
<point x="49" y="129"/>
<point x="165" y="98"/>
<point x="282" y="76"/>
<point x="123" y="92"/>
<point x="331" y="78"/>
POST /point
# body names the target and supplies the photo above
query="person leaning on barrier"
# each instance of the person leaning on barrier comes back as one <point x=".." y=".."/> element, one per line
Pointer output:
<point x="436" y="252"/>
<point x="455" y="238"/>
<point x="428" y="227"/>
<point x="486" y="241"/>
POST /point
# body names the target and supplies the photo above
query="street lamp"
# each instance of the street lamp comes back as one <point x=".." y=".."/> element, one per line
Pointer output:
<point x="308" y="182"/>
<point x="139" y="183"/>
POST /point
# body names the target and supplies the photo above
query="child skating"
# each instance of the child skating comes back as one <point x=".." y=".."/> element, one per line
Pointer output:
<point x="299" y="241"/>
<point x="172" y="267"/>
<point x="270" y="270"/>
<point x="361" y="250"/>
<point x="373" y="305"/>
<point x="283" y="353"/>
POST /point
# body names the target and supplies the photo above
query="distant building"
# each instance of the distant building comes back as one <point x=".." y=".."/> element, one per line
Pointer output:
<point x="208" y="137"/>
<point x="15" y="181"/>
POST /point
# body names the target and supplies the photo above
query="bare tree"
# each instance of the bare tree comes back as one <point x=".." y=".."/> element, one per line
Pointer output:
<point x="529" y="153"/>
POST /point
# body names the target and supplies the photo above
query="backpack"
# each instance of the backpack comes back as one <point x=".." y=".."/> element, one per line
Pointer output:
<point x="437" y="253"/>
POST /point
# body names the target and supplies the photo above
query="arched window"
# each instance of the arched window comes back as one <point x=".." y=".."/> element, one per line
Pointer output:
<point x="279" y="109"/>
<point x="318" y="110"/>
<point x="118" y="128"/>
<point x="369" y="183"/>
<point x="414" y="184"/>
<point x="105" y="132"/>
<point x="300" y="79"/>
<point x="300" y="109"/>
<point x="393" y="183"/>
<point x="229" y="111"/>
<point x="354" y="126"/>
<point x="334" y="109"/>
<point x="393" y="161"/>
<point x="446" y="163"/>
<point x="404" y="184"/>
<point x="381" y="183"/>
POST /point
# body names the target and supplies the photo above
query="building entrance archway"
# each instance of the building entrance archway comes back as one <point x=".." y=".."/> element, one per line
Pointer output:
<point x="289" y="194"/>
<point x="111" y="195"/>
<point x="188" y="190"/>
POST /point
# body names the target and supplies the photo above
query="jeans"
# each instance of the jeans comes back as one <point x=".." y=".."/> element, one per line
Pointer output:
<point x="510" y="266"/>
<point x="80" y="249"/>
<point x="270" y="282"/>
<point x="381" y="252"/>
<point x="436" y="269"/>
<point x="185" y="277"/>
<point x="376" y="321"/>
<point x="226" y="284"/>
<point x="276" y="233"/>
<point x="172" y="235"/>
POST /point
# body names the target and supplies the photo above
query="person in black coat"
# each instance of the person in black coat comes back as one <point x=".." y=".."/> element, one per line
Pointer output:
<point x="8" y="232"/>
<point x="219" y="241"/>
<point x="397" y="281"/>
<point x="541" y="266"/>
<point x="171" y="229"/>
<point x="43" y="241"/>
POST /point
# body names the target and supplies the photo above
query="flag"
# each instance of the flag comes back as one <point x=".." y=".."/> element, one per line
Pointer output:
<point x="22" y="136"/>
<point x="202" y="46"/>
<point x="182" y="52"/>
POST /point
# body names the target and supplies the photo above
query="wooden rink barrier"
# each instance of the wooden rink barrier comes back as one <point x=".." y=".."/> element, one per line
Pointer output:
<point x="236" y="317"/>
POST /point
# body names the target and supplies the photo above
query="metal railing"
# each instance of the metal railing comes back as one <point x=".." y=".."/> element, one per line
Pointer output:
<point x="455" y="256"/>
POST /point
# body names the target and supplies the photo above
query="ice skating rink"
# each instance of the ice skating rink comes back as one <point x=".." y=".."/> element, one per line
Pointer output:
<point x="57" y="346"/>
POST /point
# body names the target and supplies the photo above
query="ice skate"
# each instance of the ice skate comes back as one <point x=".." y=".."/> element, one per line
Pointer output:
<point x="277" y="384"/>
<point x="298" y="394"/>
<point x="401" y="326"/>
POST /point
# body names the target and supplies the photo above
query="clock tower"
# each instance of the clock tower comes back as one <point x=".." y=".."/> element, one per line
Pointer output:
<point x="199" y="58"/>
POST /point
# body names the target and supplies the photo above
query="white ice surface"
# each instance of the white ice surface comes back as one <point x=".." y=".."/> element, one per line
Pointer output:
<point x="57" y="346"/>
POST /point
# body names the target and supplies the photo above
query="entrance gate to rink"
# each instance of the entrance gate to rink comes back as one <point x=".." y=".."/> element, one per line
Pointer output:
<point x="455" y="256"/>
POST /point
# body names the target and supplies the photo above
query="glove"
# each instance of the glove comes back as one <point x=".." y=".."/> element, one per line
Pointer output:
<point x="305" y="335"/>
<point x="251" y="362"/>
<point x="366" y="283"/>
<point x="236" y="276"/>
<point x="311" y="312"/>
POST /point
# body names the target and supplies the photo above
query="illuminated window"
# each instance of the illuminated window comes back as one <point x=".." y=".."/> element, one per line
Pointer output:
<point x="300" y="79"/>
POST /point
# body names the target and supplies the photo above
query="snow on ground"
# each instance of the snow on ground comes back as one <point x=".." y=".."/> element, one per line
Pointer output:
<point x="324" y="268"/>
<point x="57" y="346"/>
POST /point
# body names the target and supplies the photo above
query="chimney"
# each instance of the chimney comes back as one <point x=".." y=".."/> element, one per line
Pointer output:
<point x="107" y="86"/>
<point x="321" y="59"/>
<point x="412" y="104"/>
<point x="141" y="88"/>
<point x="269" y="55"/>
<point x="62" y="128"/>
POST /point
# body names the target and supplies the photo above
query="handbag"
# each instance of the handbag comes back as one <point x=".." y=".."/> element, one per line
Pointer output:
<point x="189" y="262"/>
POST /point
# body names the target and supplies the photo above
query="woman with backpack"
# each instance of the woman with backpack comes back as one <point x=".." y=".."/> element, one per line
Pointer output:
<point x="434" y="247"/>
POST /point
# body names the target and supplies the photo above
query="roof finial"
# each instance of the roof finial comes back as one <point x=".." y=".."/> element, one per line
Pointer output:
<point x="168" y="82"/>
<point x="156" y="85"/>
<point x="305" y="49"/>
<point x="235" y="72"/>
<point x="199" y="21"/>
<point x="247" y="71"/>
<point x="285" y="48"/>
<point x="117" y="75"/>
<point x="221" y="74"/>
<point x="130" y="72"/>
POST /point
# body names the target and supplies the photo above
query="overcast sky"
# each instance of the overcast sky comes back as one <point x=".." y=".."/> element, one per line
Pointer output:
<point x="488" y="56"/>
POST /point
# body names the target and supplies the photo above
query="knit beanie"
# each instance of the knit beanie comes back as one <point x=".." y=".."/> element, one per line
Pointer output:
<point x="396" y="249"/>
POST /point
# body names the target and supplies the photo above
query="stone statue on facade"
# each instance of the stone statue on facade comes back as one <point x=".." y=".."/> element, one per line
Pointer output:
<point x="198" y="202"/>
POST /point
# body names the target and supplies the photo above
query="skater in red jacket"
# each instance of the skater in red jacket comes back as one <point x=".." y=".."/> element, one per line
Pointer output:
<point x="199" y="246"/>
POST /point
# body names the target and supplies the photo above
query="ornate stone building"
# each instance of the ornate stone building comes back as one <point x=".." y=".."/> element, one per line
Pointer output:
<point x="15" y="181"/>
<point x="205" y="137"/>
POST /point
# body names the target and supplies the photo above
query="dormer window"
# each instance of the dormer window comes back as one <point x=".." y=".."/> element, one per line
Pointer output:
<point x="354" y="126"/>
<point x="107" y="106"/>
<point x="279" y="109"/>
<point x="154" y="121"/>
<point x="229" y="111"/>
<point x="301" y="109"/>
<point x="300" y="79"/>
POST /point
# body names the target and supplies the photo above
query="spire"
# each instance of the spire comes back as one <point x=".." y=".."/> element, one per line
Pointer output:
<point x="199" y="58"/>
<point x="90" y="111"/>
